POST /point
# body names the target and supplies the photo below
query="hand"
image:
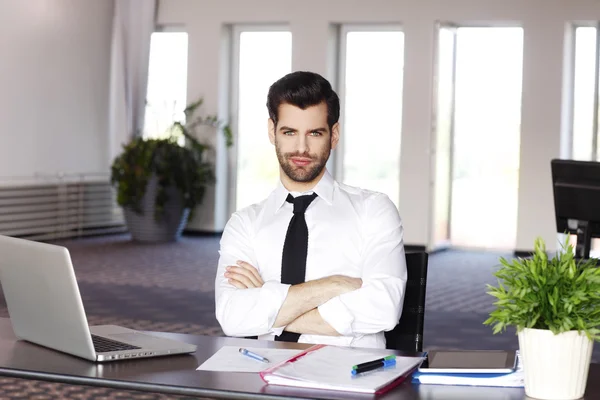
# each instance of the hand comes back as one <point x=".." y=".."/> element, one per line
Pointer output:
<point x="243" y="276"/>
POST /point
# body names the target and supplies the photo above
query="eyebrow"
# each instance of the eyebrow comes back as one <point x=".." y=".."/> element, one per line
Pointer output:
<point x="287" y="128"/>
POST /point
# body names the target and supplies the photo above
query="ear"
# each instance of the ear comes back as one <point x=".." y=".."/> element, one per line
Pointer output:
<point x="335" y="135"/>
<point x="272" y="131"/>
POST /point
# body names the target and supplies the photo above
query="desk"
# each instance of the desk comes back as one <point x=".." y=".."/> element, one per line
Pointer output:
<point x="178" y="375"/>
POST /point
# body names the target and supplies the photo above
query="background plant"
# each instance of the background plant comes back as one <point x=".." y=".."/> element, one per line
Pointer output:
<point x="186" y="167"/>
<point x="559" y="294"/>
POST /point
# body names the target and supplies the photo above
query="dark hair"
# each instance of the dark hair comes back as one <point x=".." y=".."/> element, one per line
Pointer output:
<point x="303" y="89"/>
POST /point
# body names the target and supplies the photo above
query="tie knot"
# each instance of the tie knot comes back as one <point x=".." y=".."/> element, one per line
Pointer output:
<point x="301" y="203"/>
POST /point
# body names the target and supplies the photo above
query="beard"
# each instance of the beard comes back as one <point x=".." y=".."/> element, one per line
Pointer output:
<point x="306" y="173"/>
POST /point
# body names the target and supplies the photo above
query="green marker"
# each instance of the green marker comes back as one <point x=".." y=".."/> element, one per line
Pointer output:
<point x="374" y="362"/>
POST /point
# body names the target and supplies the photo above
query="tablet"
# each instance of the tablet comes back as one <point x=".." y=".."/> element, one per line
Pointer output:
<point x="470" y="362"/>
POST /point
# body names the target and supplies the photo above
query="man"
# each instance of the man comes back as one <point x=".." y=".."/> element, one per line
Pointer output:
<point x="316" y="261"/>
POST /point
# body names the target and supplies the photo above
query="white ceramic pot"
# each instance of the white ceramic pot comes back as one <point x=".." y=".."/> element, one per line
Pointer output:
<point x="556" y="366"/>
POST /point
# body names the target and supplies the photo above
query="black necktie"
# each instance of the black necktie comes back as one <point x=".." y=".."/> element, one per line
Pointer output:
<point x="295" y="249"/>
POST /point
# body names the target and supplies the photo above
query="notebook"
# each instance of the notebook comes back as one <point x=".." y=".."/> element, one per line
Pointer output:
<point x="329" y="368"/>
<point x="514" y="379"/>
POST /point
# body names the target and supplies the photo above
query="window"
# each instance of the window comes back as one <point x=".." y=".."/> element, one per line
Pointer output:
<point x="261" y="58"/>
<point x="444" y="118"/>
<point x="478" y="133"/>
<point x="372" y="69"/>
<point x="585" y="95"/>
<point x="586" y="112"/>
<point x="167" y="82"/>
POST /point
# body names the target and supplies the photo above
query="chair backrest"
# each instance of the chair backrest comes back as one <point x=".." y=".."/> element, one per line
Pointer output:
<point x="408" y="334"/>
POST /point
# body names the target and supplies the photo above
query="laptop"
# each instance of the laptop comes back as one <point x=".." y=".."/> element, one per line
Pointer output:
<point x="45" y="307"/>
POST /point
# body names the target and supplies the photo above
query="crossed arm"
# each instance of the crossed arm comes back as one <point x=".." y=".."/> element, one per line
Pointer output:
<point x="298" y="312"/>
<point x="334" y="305"/>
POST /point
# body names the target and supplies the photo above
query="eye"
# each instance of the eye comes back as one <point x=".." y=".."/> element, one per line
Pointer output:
<point x="288" y="133"/>
<point x="316" y="133"/>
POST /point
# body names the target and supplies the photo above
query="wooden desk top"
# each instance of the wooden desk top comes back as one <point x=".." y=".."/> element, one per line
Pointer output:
<point x="178" y="375"/>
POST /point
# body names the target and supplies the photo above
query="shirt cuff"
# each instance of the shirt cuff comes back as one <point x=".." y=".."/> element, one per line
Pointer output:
<point x="336" y="314"/>
<point x="274" y="294"/>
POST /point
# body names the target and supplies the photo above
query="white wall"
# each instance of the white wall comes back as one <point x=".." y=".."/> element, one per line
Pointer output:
<point x="54" y="86"/>
<point x="544" y="23"/>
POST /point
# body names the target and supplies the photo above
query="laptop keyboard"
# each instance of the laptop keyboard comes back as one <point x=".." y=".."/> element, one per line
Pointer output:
<point x="104" y="345"/>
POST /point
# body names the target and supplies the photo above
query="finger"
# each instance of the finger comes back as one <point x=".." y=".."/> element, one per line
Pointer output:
<point x="249" y="276"/>
<point x="252" y="269"/>
<point x="237" y="284"/>
<point x="247" y="273"/>
<point x="236" y="279"/>
<point x="243" y="279"/>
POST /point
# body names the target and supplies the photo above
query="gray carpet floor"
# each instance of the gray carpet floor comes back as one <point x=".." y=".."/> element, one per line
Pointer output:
<point x="170" y="287"/>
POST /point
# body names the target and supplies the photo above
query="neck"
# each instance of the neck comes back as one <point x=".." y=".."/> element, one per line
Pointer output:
<point x="293" y="186"/>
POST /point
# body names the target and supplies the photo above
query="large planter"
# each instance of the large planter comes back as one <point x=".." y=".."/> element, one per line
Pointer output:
<point x="168" y="228"/>
<point x="556" y="366"/>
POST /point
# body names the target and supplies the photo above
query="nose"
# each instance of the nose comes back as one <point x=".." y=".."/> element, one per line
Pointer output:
<point x="302" y="144"/>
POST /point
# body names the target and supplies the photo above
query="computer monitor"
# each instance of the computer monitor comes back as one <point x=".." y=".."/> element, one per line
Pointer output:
<point x="577" y="201"/>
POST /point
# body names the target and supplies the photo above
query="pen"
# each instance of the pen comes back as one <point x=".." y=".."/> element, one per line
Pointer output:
<point x="371" y="367"/>
<point x="253" y="355"/>
<point x="374" y="362"/>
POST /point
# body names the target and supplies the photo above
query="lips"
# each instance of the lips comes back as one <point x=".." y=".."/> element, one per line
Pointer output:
<point x="301" y="162"/>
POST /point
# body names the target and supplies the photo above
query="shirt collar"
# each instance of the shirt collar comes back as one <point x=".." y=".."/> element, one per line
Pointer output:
<point x="323" y="189"/>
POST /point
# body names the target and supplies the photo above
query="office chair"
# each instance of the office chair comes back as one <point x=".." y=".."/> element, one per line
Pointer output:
<point x="408" y="334"/>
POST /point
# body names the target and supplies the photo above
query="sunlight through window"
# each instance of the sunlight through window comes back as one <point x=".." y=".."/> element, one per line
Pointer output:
<point x="372" y="109"/>
<point x="264" y="57"/>
<point x="167" y="82"/>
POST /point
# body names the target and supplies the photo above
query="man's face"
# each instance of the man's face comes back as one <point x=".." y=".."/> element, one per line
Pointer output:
<point x="303" y="141"/>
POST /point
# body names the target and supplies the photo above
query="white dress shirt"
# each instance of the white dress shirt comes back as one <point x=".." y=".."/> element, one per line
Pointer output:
<point x="352" y="232"/>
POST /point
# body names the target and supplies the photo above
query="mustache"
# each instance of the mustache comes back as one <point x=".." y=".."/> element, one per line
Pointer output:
<point x="298" y="154"/>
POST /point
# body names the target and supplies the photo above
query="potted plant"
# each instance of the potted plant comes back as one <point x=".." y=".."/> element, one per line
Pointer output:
<point x="554" y="303"/>
<point x="159" y="182"/>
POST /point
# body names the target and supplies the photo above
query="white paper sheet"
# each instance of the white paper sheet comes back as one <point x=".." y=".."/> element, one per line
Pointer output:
<point x="229" y="359"/>
<point x="330" y="368"/>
